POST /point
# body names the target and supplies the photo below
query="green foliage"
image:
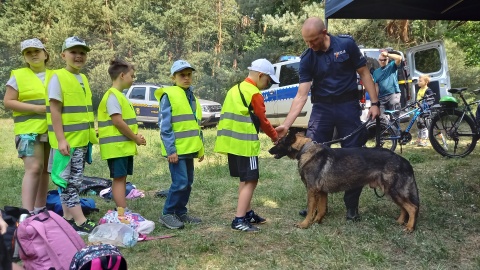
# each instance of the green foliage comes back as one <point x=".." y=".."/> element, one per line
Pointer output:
<point x="220" y="38"/>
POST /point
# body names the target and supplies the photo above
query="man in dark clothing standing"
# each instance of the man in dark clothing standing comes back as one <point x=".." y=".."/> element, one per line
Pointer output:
<point x="329" y="69"/>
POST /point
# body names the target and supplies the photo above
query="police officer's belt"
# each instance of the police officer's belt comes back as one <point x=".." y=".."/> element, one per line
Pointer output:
<point x="347" y="96"/>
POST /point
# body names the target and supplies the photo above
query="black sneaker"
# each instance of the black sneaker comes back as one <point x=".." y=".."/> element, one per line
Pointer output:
<point x="162" y="193"/>
<point x="70" y="221"/>
<point x="171" y="221"/>
<point x="189" y="219"/>
<point x="254" y="218"/>
<point x="242" y="225"/>
<point x="85" y="228"/>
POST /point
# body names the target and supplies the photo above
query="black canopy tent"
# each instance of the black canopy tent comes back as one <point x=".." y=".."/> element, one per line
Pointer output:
<point x="461" y="10"/>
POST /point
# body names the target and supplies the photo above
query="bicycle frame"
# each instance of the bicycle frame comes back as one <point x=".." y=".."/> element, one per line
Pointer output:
<point x="396" y="120"/>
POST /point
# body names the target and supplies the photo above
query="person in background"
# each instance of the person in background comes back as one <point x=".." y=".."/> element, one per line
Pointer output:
<point x="423" y="81"/>
<point x="243" y="112"/>
<point x="386" y="81"/>
<point x="118" y="131"/>
<point x="71" y="129"/>
<point x="25" y="96"/>
<point x="179" y="117"/>
<point x="328" y="69"/>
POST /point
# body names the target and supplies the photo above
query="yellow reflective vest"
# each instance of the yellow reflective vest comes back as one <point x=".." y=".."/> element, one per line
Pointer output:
<point x="185" y="125"/>
<point x="236" y="133"/>
<point x="113" y="143"/>
<point x="77" y="111"/>
<point x="33" y="91"/>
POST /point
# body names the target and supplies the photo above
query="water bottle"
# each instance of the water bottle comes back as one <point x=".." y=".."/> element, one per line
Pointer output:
<point x="116" y="234"/>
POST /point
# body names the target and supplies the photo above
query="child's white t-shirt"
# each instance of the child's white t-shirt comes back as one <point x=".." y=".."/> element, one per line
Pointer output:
<point x="12" y="82"/>
<point x="55" y="90"/>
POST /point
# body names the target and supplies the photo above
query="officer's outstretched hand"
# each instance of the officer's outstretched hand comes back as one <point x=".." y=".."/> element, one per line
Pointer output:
<point x="373" y="112"/>
<point x="281" y="131"/>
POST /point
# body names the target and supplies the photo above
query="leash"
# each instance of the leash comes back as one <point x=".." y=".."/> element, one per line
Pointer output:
<point x="358" y="129"/>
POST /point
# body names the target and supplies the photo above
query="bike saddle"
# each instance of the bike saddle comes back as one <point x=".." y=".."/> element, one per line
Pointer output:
<point x="457" y="90"/>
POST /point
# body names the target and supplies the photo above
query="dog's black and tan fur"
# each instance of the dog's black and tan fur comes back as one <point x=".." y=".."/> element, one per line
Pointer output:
<point x="326" y="170"/>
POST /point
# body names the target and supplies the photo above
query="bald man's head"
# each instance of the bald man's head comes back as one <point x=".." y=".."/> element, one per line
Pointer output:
<point x="314" y="34"/>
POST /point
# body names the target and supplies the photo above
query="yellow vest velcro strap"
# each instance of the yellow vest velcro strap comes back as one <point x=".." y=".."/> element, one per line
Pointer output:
<point x="183" y="117"/>
<point x="131" y="121"/>
<point x="114" y="139"/>
<point x="236" y="117"/>
<point x="236" y="135"/>
<point x="74" y="127"/>
<point x="186" y="134"/>
<point x="23" y="118"/>
<point x="35" y="101"/>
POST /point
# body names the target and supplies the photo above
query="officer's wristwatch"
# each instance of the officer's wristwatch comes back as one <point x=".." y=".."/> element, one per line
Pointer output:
<point x="375" y="104"/>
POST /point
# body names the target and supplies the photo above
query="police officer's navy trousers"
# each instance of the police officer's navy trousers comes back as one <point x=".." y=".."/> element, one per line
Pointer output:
<point x="345" y="117"/>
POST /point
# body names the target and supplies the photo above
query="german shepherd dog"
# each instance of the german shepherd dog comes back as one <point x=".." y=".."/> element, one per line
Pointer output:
<point x="326" y="170"/>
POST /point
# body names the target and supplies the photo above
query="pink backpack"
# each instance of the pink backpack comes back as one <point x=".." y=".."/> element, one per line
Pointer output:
<point x="47" y="241"/>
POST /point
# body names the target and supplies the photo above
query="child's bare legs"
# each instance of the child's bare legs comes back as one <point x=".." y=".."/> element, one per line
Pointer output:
<point x="74" y="212"/>
<point x="118" y="191"/>
<point x="33" y="181"/>
<point x="42" y="192"/>
<point x="245" y="194"/>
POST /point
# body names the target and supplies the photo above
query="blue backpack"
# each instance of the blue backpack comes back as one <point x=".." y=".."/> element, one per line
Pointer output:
<point x="99" y="257"/>
<point x="55" y="204"/>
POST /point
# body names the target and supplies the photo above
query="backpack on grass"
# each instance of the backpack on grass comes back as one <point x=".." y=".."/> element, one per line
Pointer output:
<point x="96" y="184"/>
<point x="99" y="257"/>
<point x="46" y="241"/>
<point x="54" y="204"/>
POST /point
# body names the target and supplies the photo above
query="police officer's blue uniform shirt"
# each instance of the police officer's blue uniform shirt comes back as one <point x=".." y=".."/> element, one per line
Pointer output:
<point x="332" y="72"/>
<point x="386" y="78"/>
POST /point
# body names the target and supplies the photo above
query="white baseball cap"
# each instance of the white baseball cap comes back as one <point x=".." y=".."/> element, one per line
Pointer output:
<point x="180" y="65"/>
<point x="74" y="41"/>
<point x="264" y="66"/>
<point x="31" y="43"/>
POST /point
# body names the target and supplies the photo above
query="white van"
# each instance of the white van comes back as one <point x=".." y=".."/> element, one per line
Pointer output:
<point x="429" y="58"/>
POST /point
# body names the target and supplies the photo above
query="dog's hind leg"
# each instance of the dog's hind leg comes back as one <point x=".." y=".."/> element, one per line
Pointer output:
<point x="321" y="207"/>
<point x="412" y="210"/>
<point x="311" y="208"/>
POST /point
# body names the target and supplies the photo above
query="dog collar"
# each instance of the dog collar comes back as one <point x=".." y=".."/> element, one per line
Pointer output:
<point x="305" y="148"/>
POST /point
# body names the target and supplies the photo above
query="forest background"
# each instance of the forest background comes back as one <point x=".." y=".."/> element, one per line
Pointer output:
<point x="219" y="38"/>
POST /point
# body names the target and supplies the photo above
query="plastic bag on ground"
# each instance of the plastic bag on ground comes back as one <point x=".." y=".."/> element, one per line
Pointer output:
<point x="116" y="234"/>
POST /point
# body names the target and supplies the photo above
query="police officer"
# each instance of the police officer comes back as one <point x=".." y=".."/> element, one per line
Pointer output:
<point x="329" y="69"/>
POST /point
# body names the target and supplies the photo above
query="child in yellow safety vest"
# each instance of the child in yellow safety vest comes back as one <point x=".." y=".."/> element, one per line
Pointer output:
<point x="71" y="130"/>
<point x="179" y="117"/>
<point x="25" y="96"/>
<point x="118" y="131"/>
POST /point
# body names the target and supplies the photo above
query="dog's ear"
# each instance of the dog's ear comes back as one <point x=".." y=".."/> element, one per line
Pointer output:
<point x="291" y="136"/>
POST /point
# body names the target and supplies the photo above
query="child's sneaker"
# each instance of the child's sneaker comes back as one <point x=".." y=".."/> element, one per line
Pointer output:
<point x="423" y="143"/>
<point x="253" y="218"/>
<point x="85" y="228"/>
<point x="171" y="221"/>
<point x="242" y="225"/>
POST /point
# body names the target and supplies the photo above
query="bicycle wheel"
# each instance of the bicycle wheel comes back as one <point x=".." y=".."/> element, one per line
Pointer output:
<point x="452" y="134"/>
<point x="386" y="134"/>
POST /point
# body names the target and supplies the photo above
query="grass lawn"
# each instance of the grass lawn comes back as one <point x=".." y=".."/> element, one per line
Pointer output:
<point x="447" y="235"/>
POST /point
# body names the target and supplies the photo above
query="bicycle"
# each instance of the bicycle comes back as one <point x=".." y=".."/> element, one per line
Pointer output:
<point x="454" y="131"/>
<point x="391" y="133"/>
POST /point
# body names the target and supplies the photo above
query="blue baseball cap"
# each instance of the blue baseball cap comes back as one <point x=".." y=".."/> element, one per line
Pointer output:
<point x="180" y="65"/>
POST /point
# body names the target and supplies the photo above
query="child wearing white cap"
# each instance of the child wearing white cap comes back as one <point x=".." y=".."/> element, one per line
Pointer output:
<point x="243" y="114"/>
<point x="71" y="129"/>
<point x="179" y="117"/>
<point x="25" y="96"/>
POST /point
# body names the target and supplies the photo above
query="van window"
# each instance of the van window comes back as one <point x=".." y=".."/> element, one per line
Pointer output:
<point x="138" y="93"/>
<point x="289" y="74"/>
<point x="152" y="94"/>
<point x="428" y="61"/>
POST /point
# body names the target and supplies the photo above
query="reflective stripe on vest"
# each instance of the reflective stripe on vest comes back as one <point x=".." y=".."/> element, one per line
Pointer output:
<point x="77" y="111"/>
<point x="236" y="133"/>
<point x="185" y="124"/>
<point x="113" y="144"/>
<point x="31" y="90"/>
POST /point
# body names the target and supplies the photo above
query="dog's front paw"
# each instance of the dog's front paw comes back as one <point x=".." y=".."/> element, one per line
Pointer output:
<point x="302" y="225"/>
<point x="408" y="229"/>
